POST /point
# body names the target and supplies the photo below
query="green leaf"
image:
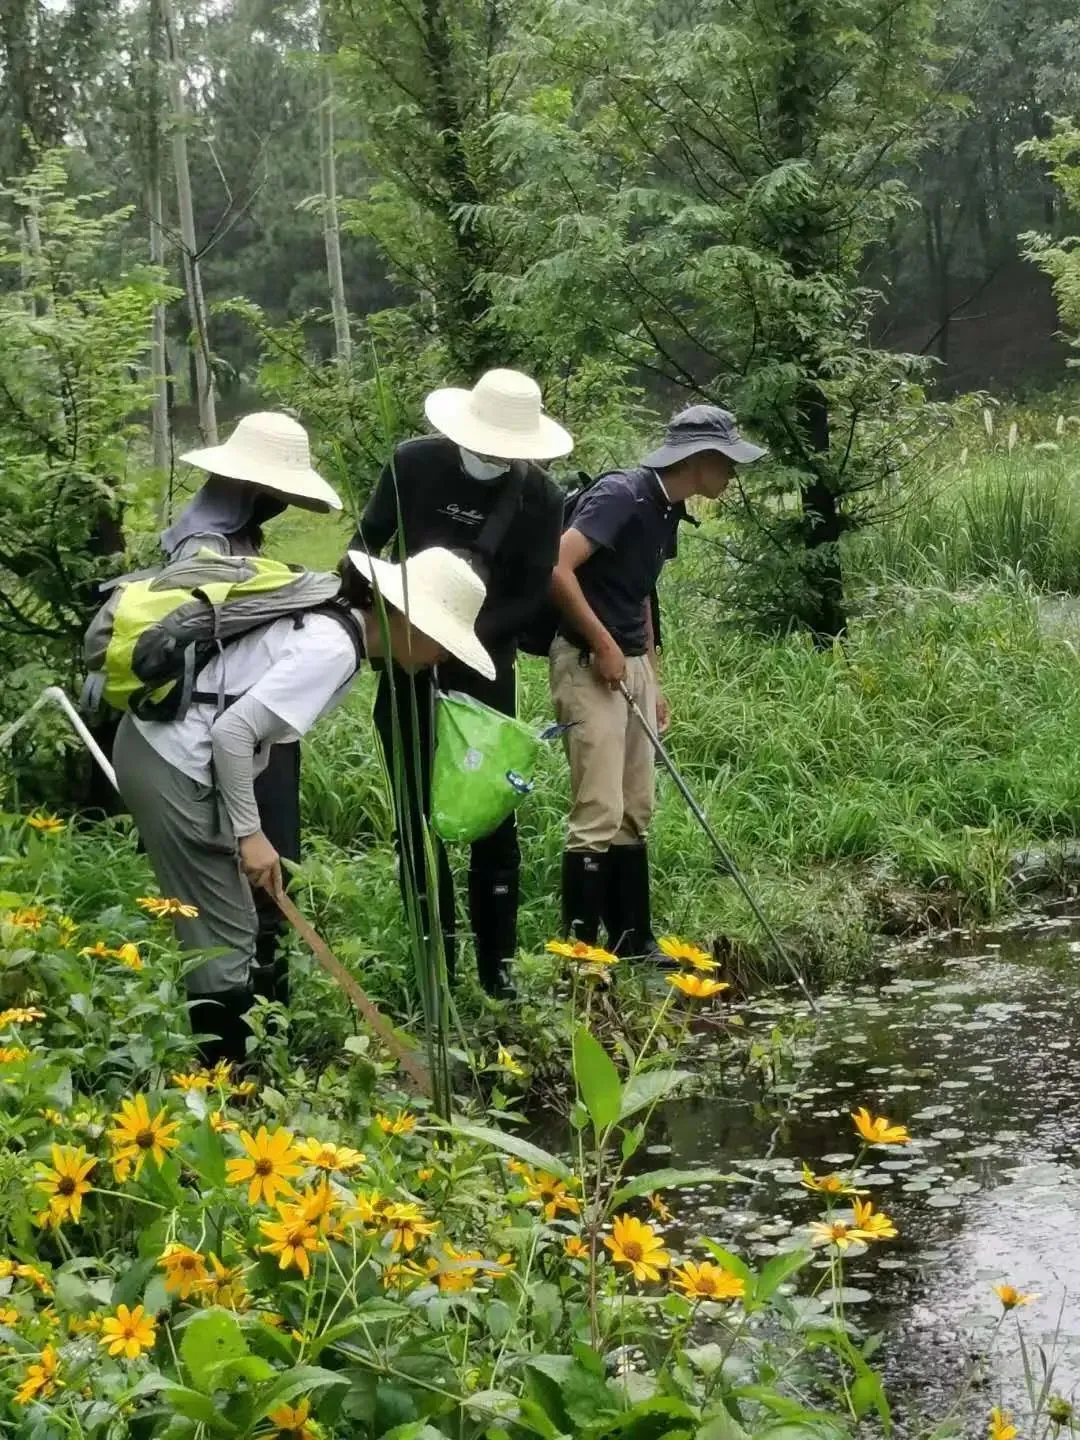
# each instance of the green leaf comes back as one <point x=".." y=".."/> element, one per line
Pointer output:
<point x="597" y="1079"/>
<point x="720" y="1424"/>
<point x="211" y="1338"/>
<point x="731" y="1262"/>
<point x="650" y="1087"/>
<point x="209" y="1155"/>
<point x="868" y="1394"/>
<point x="511" y="1145"/>
<point x="301" y="1380"/>
<point x="196" y="1406"/>
<point x="666" y="1180"/>
<point x="778" y="1269"/>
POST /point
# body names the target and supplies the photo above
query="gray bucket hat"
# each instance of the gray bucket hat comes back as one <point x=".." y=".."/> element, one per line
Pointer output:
<point x="703" y="427"/>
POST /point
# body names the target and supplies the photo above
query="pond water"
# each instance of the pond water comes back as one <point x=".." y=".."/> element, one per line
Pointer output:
<point x="972" y="1042"/>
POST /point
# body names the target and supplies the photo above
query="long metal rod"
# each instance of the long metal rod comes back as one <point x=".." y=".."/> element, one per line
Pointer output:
<point x="54" y="695"/>
<point x="722" y="853"/>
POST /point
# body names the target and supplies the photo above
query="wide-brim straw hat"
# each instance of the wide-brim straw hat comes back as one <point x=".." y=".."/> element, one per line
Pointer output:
<point x="270" y="450"/>
<point x="440" y="594"/>
<point x="502" y="416"/>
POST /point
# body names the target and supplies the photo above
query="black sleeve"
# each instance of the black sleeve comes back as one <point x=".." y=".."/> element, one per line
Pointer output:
<point x="532" y="567"/>
<point x="379" y="522"/>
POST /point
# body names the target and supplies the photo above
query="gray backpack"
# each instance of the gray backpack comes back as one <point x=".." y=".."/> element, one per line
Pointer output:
<point x="154" y="634"/>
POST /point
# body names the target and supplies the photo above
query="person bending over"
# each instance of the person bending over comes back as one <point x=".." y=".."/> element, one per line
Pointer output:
<point x="262" y="469"/>
<point x="189" y="783"/>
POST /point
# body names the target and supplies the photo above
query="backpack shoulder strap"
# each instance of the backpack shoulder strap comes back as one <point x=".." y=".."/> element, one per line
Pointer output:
<point x="343" y="613"/>
<point x="506" y="507"/>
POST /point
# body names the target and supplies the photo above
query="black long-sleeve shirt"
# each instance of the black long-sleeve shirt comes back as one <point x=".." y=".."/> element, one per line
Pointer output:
<point x="440" y="504"/>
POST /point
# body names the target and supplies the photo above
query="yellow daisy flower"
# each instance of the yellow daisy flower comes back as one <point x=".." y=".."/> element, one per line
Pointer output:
<point x="576" y="1248"/>
<point x="687" y="954"/>
<point x="826" y="1184"/>
<point x="185" y="1269"/>
<point x="835" y="1232"/>
<point x="128" y="954"/>
<point x="271" y="1161"/>
<point x="871" y="1223"/>
<point x="65" y="1183"/>
<point x="876" y="1130"/>
<point x="505" y="1061"/>
<point x="20" y="1015"/>
<point x="707" y="1282"/>
<point x="98" y="951"/>
<point x="552" y="1194"/>
<point x="1001" y="1426"/>
<point x="42" y="1378"/>
<point x="225" y="1287"/>
<point x="27" y="917"/>
<point x="637" y="1245"/>
<point x="697" y="987"/>
<point x="166" y="909"/>
<point x="659" y="1209"/>
<point x="405" y="1226"/>
<point x="45" y="824"/>
<point x="1010" y="1297"/>
<point x="137" y="1134"/>
<point x="13" y="1054"/>
<point x="293" y="1422"/>
<point x="400" y="1124"/>
<point x="128" y="1332"/>
<point x="192" y="1080"/>
<point x="293" y="1239"/>
<point x="325" y="1155"/>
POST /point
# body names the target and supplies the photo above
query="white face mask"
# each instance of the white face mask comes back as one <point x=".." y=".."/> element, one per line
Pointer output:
<point x="482" y="469"/>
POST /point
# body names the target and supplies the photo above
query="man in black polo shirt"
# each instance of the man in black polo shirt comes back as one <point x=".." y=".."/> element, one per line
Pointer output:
<point x="473" y="488"/>
<point x="621" y="533"/>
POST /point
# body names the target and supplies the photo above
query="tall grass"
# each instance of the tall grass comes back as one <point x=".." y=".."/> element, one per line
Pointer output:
<point x="991" y="512"/>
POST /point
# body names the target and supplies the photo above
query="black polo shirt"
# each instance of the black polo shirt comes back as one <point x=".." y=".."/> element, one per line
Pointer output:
<point x="440" y="504"/>
<point x="634" y="527"/>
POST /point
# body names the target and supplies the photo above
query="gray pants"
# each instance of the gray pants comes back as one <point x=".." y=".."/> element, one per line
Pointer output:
<point x="192" y="848"/>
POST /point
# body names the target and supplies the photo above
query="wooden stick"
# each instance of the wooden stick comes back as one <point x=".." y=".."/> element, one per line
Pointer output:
<point x="401" y="1052"/>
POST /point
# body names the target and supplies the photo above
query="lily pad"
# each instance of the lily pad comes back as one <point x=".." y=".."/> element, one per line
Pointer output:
<point x="943" y="1200"/>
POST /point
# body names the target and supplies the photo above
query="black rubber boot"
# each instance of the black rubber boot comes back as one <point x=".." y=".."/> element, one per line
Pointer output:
<point x="584" y="880"/>
<point x="270" y="973"/>
<point x="220" y="1017"/>
<point x="627" y="911"/>
<point x="493" y="908"/>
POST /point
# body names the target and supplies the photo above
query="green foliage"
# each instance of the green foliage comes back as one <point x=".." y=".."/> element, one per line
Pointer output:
<point x="445" y="1279"/>
<point x="699" y="201"/>
<point x="1060" y="257"/>
<point x="70" y="387"/>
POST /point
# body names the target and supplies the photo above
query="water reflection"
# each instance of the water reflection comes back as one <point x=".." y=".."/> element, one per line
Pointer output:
<point x="972" y="1043"/>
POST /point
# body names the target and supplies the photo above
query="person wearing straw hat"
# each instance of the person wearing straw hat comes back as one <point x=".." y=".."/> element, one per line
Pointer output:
<point x="476" y="487"/>
<point x="189" y="783"/>
<point x="261" y="469"/>
<point x="610" y="558"/>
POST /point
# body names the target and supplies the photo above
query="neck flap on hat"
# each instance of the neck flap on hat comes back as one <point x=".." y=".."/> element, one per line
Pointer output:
<point x="220" y="507"/>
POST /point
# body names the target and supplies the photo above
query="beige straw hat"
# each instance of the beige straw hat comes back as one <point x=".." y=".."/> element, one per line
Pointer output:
<point x="440" y="594"/>
<point x="502" y="415"/>
<point x="270" y="450"/>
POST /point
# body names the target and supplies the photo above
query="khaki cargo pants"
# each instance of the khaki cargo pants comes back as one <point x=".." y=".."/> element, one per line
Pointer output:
<point x="611" y="760"/>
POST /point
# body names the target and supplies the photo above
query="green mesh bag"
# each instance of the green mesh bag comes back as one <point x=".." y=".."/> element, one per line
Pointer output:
<point x="483" y="767"/>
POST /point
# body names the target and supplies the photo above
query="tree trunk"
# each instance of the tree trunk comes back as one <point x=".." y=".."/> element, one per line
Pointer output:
<point x="204" y="372"/>
<point x="331" y="228"/>
<point x="156" y="211"/>
<point x="824" y="610"/>
<point x="473" y="340"/>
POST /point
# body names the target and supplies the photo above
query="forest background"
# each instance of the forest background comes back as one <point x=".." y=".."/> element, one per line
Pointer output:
<point x="850" y="222"/>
